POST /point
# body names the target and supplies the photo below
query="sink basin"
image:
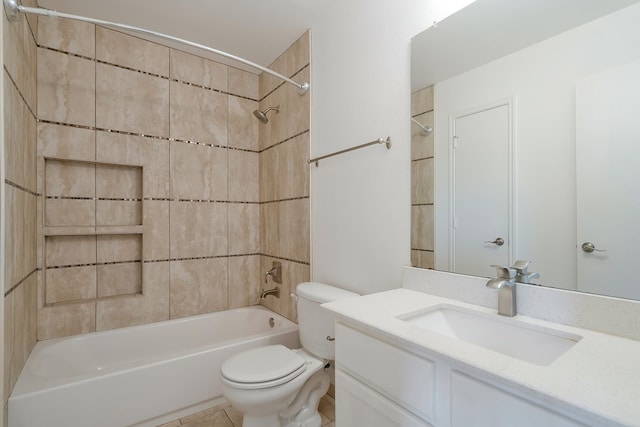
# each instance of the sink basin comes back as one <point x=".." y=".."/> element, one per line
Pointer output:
<point x="526" y="342"/>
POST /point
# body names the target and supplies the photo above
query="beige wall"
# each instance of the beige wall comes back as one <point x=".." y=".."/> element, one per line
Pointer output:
<point x="160" y="148"/>
<point x="189" y="203"/>
<point x="284" y="176"/>
<point x="422" y="162"/>
<point x="19" y="189"/>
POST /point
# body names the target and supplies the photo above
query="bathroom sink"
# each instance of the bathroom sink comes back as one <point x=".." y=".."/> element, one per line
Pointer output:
<point x="526" y="342"/>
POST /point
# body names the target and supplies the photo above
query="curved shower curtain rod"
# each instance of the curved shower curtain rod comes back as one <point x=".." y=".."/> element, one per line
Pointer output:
<point x="13" y="8"/>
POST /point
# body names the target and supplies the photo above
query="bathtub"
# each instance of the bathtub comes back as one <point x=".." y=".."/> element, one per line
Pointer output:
<point x="140" y="376"/>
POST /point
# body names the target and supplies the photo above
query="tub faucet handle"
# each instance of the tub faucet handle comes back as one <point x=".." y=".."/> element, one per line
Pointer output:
<point x="275" y="272"/>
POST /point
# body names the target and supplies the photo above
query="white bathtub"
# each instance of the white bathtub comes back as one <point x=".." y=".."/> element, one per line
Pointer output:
<point x="138" y="376"/>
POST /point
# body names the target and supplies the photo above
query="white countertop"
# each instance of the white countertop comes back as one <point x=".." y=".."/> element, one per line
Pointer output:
<point x="599" y="376"/>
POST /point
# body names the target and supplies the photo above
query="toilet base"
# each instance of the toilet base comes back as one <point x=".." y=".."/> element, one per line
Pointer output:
<point x="261" y="421"/>
<point x="302" y="412"/>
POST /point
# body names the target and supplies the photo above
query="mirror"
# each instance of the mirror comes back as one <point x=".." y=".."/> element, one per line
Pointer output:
<point x="560" y="79"/>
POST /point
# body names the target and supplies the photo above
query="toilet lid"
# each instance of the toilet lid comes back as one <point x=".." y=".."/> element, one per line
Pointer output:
<point x="264" y="366"/>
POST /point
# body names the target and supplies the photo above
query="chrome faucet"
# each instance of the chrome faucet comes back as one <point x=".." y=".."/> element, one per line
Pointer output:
<point x="275" y="273"/>
<point x="506" y="286"/>
<point x="275" y="292"/>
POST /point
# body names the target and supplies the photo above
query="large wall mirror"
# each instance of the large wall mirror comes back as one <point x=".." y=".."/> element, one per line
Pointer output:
<point x="534" y="151"/>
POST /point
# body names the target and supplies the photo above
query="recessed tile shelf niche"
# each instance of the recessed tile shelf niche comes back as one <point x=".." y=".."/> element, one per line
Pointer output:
<point x="93" y="230"/>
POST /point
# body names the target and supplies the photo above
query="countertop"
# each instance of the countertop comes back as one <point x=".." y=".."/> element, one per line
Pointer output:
<point x="598" y="378"/>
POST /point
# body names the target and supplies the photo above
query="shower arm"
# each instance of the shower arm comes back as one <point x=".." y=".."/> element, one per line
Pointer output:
<point x="12" y="9"/>
<point x="426" y="129"/>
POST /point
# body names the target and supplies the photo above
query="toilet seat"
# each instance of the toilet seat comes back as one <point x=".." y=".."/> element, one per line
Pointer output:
<point x="262" y="367"/>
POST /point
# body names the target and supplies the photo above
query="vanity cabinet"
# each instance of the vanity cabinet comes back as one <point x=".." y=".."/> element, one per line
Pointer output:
<point x="383" y="384"/>
<point x="359" y="405"/>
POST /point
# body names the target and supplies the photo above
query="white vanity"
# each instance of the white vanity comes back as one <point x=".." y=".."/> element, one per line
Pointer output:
<point x="410" y="358"/>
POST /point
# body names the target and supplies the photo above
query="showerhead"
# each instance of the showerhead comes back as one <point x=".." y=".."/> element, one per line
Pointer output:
<point x="262" y="115"/>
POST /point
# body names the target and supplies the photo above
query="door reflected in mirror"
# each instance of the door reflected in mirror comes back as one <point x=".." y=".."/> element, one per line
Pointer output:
<point x="569" y="90"/>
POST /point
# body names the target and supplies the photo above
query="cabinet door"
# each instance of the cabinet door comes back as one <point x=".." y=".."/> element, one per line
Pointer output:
<point x="479" y="404"/>
<point x="358" y="406"/>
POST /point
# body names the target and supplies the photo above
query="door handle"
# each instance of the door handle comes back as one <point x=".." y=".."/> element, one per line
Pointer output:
<point x="589" y="247"/>
<point x="498" y="242"/>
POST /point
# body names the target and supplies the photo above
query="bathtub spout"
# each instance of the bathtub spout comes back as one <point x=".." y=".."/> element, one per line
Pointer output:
<point x="275" y="292"/>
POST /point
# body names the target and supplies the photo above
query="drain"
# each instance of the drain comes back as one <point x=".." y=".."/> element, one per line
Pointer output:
<point x="272" y="322"/>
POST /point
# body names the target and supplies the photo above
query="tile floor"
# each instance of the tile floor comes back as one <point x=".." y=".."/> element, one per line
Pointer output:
<point x="225" y="415"/>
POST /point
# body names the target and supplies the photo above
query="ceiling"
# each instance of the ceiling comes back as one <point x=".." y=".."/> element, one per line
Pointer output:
<point x="256" y="30"/>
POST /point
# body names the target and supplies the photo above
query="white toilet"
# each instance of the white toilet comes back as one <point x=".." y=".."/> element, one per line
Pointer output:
<point x="277" y="387"/>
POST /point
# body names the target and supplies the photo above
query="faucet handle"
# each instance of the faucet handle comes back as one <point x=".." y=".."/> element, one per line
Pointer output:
<point x="505" y="272"/>
<point x="521" y="266"/>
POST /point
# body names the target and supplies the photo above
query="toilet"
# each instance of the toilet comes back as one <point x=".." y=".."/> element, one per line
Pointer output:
<point x="274" y="386"/>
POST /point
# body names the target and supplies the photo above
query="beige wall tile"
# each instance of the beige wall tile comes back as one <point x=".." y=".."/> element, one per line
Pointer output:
<point x="244" y="176"/>
<point x="119" y="247"/>
<point x="294" y="114"/>
<point x="243" y="127"/>
<point x="422" y="227"/>
<point x="422" y="181"/>
<point x="20" y="139"/>
<point x="64" y="320"/>
<point x="422" y="259"/>
<point x="198" y="229"/>
<point x="422" y="145"/>
<point x="198" y="286"/>
<point x="131" y="101"/>
<point x="285" y="229"/>
<point x="244" y="83"/>
<point x="151" y="153"/>
<point x="70" y="284"/>
<point x="152" y="306"/>
<point x="198" y="172"/>
<point x="422" y="101"/>
<point x="244" y="228"/>
<point x="33" y="19"/>
<point x="9" y="381"/>
<point x="114" y="181"/>
<point x="20" y="238"/>
<point x="198" y="114"/>
<point x="70" y="250"/>
<point x="67" y="35"/>
<point x="294" y="229"/>
<point x="118" y="212"/>
<point x="70" y="179"/>
<point x="269" y="229"/>
<point x="20" y="53"/>
<point x="156" y="230"/>
<point x="119" y="279"/>
<point x="24" y="324"/>
<point x="69" y="212"/>
<point x="293" y="274"/>
<point x="118" y="48"/>
<point x="201" y="71"/>
<point x="289" y="62"/>
<point x="66" y="142"/>
<point x="66" y="88"/>
<point x="244" y="285"/>
<point x="284" y="172"/>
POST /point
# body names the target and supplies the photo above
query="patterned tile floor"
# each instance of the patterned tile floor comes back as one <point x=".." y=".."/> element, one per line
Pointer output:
<point x="226" y="416"/>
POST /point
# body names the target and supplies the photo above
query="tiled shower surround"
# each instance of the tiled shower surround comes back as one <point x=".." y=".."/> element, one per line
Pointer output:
<point x="20" y="195"/>
<point x="159" y="195"/>
<point x="422" y="173"/>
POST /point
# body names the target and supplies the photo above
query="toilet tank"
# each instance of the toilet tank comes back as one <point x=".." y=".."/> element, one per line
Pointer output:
<point x="315" y="323"/>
